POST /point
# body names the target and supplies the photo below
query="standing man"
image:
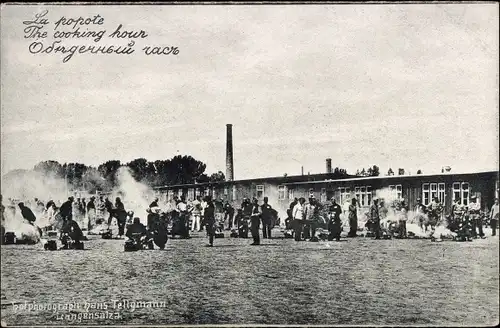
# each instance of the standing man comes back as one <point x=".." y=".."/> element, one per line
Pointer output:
<point x="494" y="217"/>
<point x="204" y="205"/>
<point x="77" y="214"/>
<point x="353" y="218"/>
<point x="183" y="218"/>
<point x="121" y="216"/>
<point x="475" y="217"/>
<point x="219" y="210"/>
<point x="403" y="217"/>
<point x="246" y="211"/>
<point x="255" y="221"/>
<point x="91" y="213"/>
<point x="289" y="211"/>
<point x="267" y="218"/>
<point x="457" y="212"/>
<point x="101" y="208"/>
<point x="66" y="209"/>
<point x="298" y="218"/>
<point x="83" y="209"/>
<point x="420" y="211"/>
<point x="209" y="220"/>
<point x="309" y="211"/>
<point x="375" y="218"/>
<point x="434" y="212"/>
<point x="229" y="215"/>
<point x="334" y="224"/>
<point x="382" y="211"/>
<point x="109" y="207"/>
<point x="197" y="212"/>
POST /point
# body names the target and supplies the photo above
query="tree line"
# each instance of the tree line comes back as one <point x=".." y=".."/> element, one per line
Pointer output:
<point x="177" y="170"/>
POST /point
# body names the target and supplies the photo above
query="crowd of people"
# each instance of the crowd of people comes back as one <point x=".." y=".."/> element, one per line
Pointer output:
<point x="303" y="219"/>
<point x="215" y="216"/>
<point x="388" y="220"/>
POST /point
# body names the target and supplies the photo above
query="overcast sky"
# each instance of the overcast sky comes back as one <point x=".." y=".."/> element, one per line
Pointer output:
<point x="412" y="86"/>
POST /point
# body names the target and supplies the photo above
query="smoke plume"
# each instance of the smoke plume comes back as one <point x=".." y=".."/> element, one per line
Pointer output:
<point x="135" y="196"/>
<point x="14" y="222"/>
<point x="27" y="185"/>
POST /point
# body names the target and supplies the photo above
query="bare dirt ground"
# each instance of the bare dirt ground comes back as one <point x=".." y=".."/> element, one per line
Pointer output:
<point x="357" y="281"/>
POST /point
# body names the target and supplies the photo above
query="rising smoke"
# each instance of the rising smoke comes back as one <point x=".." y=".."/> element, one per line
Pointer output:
<point x="25" y="186"/>
<point x="390" y="200"/>
<point x="136" y="196"/>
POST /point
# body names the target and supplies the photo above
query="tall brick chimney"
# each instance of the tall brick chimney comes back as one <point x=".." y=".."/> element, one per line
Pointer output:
<point x="328" y="165"/>
<point x="229" y="153"/>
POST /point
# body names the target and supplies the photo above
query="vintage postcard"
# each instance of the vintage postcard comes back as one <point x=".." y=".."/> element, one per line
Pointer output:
<point x="249" y="164"/>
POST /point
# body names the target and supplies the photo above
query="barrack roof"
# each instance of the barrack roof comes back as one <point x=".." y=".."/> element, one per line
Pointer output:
<point x="381" y="177"/>
<point x="318" y="178"/>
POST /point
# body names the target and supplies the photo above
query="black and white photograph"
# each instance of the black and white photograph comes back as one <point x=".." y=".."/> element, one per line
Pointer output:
<point x="249" y="164"/>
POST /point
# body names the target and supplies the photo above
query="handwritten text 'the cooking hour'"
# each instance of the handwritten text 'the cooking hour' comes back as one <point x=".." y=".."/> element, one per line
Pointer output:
<point x="88" y="29"/>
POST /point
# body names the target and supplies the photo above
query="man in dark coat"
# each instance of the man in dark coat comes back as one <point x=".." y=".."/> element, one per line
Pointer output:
<point x="91" y="213"/>
<point x="73" y="230"/>
<point x="152" y="218"/>
<point x="255" y="222"/>
<point x="109" y="207"/>
<point x="268" y="215"/>
<point x="375" y="218"/>
<point x="27" y="213"/>
<point x="83" y="207"/>
<point x="242" y="224"/>
<point x="228" y="215"/>
<point x="209" y="220"/>
<point x="121" y="216"/>
<point x="334" y="224"/>
<point x="66" y="210"/>
<point x="136" y="228"/>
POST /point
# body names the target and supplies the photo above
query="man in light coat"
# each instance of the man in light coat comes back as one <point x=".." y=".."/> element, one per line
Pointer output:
<point x="298" y="213"/>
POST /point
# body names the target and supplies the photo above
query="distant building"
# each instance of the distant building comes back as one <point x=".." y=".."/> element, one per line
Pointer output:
<point x="282" y="190"/>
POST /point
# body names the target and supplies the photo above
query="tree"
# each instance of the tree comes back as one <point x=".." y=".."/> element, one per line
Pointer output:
<point x="203" y="178"/>
<point x="53" y="168"/>
<point x="184" y="169"/>
<point x="358" y="173"/>
<point x="362" y="173"/>
<point x="217" y="177"/>
<point x="390" y="172"/>
<point x="369" y="172"/>
<point x="419" y="172"/>
<point x="375" y="171"/>
<point x="401" y="171"/>
<point x="108" y="172"/>
<point x="160" y="174"/>
<point x="92" y="180"/>
<point x="140" y="169"/>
